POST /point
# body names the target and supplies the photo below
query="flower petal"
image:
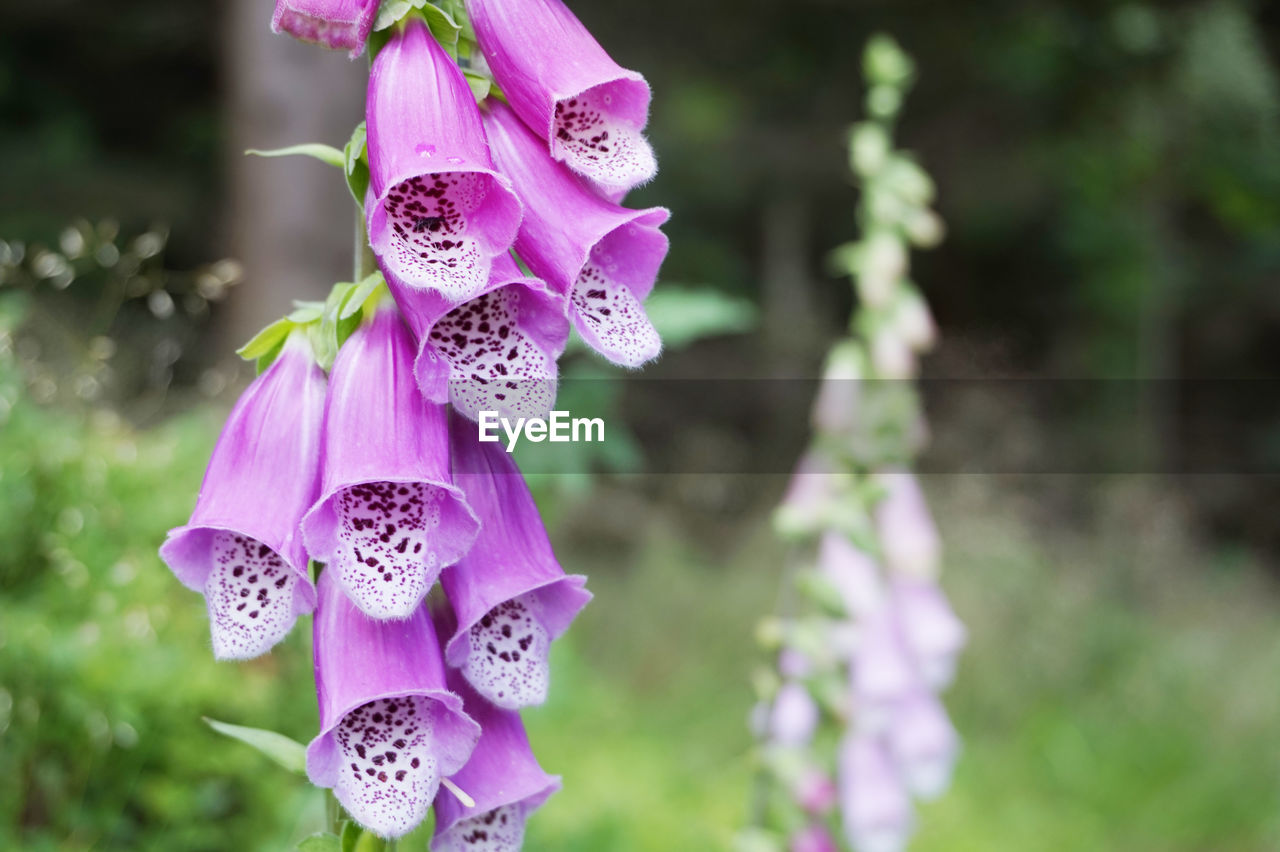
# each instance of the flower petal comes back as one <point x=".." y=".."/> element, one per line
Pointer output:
<point x="603" y="258"/>
<point x="384" y="706"/>
<point x="588" y="111"/>
<point x="264" y="472"/>
<point x="389" y="517"/>
<point x="509" y="579"/>
<point x="439" y="213"/>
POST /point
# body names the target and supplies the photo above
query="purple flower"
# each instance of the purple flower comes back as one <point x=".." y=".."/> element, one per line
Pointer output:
<point x="814" y="496"/>
<point x="883" y="670"/>
<point x="795" y="715"/>
<point x="852" y="572"/>
<point x="241" y="548"/>
<point x="388" y="518"/>
<point x="502" y="776"/>
<point x="907" y="534"/>
<point x="495" y="352"/>
<point x="439" y="213"/>
<point x="585" y="109"/>
<point x="873" y="801"/>
<point x="339" y="24"/>
<point x="930" y="628"/>
<point x="389" y="727"/>
<point x="814" y="791"/>
<point x="601" y="257"/>
<point x="510" y="596"/>
<point x="812" y="838"/>
<point x="924" y="744"/>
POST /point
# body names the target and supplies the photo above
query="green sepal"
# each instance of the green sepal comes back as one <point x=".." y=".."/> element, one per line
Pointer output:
<point x="324" y="842"/>
<point x="341" y="316"/>
<point x="324" y="153"/>
<point x="355" y="164"/>
<point x="359" y="295"/>
<point x="443" y="26"/>
<point x="289" y="753"/>
<point x="819" y="589"/>
<point x="390" y="12"/>
<point x="306" y="312"/>
<point x="480" y="85"/>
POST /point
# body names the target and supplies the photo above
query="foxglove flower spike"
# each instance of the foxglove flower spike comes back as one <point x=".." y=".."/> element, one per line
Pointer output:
<point x="241" y="548"/>
<point x="510" y="596"/>
<point x="439" y="211"/>
<point x="389" y="518"/>
<point x="586" y="110"/>
<point x="389" y="727"/>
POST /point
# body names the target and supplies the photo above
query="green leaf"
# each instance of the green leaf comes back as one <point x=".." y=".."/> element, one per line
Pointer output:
<point x="356" y="165"/>
<point x="290" y="754"/>
<point x="683" y="315"/>
<point x="320" y="843"/>
<point x="266" y="340"/>
<point x="324" y="153"/>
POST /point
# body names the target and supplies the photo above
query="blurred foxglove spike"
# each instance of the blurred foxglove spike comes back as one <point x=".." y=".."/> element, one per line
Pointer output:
<point x="336" y="24"/>
<point x="510" y="597"/>
<point x="389" y="517"/>
<point x="437" y="212"/>
<point x="389" y="726"/>
<point x="241" y="547"/>
<point x="587" y="111"/>
<point x="602" y="258"/>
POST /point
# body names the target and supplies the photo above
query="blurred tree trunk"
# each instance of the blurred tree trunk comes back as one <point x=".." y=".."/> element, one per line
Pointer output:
<point x="791" y="334"/>
<point x="289" y="220"/>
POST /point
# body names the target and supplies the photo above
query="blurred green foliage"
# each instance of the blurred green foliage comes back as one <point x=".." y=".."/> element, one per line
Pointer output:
<point x="1115" y="696"/>
<point x="104" y="661"/>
